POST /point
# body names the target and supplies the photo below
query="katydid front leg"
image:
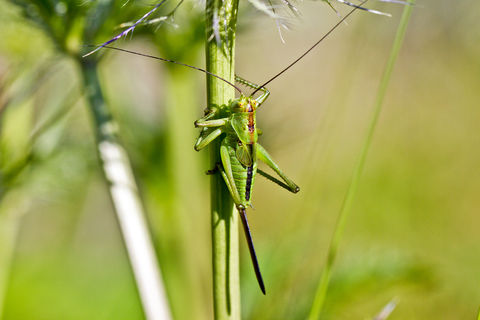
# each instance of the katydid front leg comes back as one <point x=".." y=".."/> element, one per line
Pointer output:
<point x="206" y="124"/>
<point x="205" y="137"/>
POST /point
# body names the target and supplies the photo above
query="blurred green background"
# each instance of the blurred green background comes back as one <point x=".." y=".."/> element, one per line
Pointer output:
<point x="414" y="230"/>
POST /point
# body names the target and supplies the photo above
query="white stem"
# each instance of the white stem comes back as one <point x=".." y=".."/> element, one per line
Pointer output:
<point x="135" y="231"/>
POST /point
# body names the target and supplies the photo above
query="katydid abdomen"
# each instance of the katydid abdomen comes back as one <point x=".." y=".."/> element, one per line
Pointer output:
<point x="239" y="174"/>
<point x="244" y="176"/>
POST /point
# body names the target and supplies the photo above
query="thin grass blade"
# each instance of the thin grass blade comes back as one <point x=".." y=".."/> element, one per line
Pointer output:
<point x="322" y="288"/>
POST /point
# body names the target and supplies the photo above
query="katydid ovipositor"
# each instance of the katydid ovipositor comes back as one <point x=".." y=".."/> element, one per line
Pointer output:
<point x="239" y="149"/>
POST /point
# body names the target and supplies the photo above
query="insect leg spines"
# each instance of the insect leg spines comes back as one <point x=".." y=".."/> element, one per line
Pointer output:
<point x="274" y="180"/>
<point x="265" y="91"/>
<point x="263" y="155"/>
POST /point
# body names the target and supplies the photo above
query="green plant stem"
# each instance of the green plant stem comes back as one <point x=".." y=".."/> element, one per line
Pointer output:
<point x="322" y="288"/>
<point x="126" y="200"/>
<point x="225" y="259"/>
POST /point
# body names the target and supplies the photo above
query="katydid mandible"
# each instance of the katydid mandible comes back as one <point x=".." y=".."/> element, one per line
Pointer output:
<point x="239" y="149"/>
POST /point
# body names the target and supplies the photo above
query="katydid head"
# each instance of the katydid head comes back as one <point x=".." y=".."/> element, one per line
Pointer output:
<point x="243" y="104"/>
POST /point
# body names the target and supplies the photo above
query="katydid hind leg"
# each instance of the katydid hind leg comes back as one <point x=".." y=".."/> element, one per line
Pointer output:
<point x="275" y="180"/>
<point x="263" y="155"/>
<point x="265" y="91"/>
<point x="251" y="248"/>
<point x="227" y="174"/>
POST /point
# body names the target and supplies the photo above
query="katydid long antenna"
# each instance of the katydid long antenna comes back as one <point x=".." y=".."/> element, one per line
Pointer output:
<point x="311" y="48"/>
<point x="218" y="77"/>
<point x="162" y="59"/>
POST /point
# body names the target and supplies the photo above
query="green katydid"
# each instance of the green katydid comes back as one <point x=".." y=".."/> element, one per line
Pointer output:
<point x="239" y="149"/>
<point x="239" y="152"/>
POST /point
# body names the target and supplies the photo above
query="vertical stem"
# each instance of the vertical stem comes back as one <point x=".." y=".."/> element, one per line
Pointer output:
<point x="322" y="288"/>
<point x="220" y="61"/>
<point x="126" y="200"/>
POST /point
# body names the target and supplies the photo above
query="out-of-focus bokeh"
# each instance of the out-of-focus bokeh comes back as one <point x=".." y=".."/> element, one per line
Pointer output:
<point x="413" y="233"/>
